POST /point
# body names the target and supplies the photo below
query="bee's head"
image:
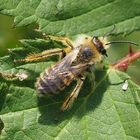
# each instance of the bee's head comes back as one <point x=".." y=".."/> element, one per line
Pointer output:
<point x="99" y="45"/>
<point x="91" y="48"/>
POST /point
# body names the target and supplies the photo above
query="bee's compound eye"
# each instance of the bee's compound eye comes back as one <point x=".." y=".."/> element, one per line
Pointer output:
<point x="95" y="39"/>
<point x="103" y="52"/>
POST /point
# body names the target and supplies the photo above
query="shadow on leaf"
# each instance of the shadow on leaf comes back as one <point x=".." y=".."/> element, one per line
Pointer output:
<point x="50" y="107"/>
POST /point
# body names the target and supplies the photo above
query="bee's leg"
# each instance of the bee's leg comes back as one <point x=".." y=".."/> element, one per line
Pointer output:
<point x="65" y="40"/>
<point x="70" y="100"/>
<point x="91" y="75"/>
<point x="43" y="55"/>
<point x="62" y="39"/>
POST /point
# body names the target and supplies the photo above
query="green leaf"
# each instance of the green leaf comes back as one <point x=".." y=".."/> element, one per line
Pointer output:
<point x="103" y="111"/>
<point x="71" y="17"/>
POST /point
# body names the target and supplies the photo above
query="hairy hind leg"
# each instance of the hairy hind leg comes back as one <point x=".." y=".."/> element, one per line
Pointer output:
<point x="71" y="98"/>
<point x="62" y="39"/>
<point x="43" y="55"/>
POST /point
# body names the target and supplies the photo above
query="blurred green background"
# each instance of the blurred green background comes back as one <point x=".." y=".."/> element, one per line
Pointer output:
<point x="9" y="38"/>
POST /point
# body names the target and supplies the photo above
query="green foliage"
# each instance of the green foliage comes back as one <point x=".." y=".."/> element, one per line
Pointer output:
<point x="103" y="111"/>
<point x="71" y="17"/>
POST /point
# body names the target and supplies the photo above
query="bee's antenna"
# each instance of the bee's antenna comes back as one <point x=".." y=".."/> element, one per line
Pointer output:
<point x="128" y="42"/>
<point x="110" y="32"/>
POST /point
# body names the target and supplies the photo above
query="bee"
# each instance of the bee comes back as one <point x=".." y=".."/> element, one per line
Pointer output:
<point x="75" y="61"/>
<point x="77" y="58"/>
<point x="85" y="52"/>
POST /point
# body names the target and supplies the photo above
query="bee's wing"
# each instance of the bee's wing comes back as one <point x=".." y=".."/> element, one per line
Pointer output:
<point x="78" y="69"/>
<point x="66" y="62"/>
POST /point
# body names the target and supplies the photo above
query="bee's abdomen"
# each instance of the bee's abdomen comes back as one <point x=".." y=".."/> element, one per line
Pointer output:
<point x="48" y="84"/>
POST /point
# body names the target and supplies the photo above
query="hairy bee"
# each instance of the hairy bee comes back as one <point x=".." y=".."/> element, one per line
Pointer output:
<point x="75" y="61"/>
<point x="83" y="53"/>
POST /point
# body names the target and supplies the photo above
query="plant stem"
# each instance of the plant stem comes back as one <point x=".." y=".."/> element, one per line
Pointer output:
<point x="123" y="64"/>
